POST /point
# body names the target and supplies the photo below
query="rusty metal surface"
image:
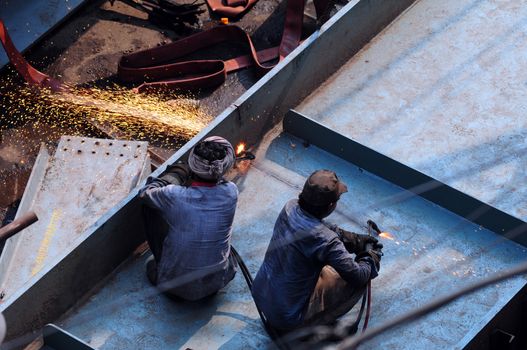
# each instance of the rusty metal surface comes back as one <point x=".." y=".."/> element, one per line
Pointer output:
<point x="28" y="21"/>
<point x="434" y="251"/>
<point x="442" y="90"/>
<point x="84" y="179"/>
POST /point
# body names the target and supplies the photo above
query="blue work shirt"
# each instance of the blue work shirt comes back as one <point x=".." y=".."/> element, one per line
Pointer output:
<point x="195" y="260"/>
<point x="300" y="247"/>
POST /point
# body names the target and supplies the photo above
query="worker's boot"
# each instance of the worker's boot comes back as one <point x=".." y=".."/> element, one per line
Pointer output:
<point x="151" y="270"/>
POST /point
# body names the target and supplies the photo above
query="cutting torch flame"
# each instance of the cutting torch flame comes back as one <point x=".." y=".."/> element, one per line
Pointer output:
<point x="386" y="235"/>
<point x="240" y="148"/>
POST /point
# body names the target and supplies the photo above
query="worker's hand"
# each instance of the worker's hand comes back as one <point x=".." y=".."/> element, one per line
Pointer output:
<point x="356" y="243"/>
<point x="371" y="255"/>
<point x="177" y="174"/>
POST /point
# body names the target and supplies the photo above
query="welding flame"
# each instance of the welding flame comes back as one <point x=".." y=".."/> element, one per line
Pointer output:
<point x="240" y="148"/>
<point x="387" y="235"/>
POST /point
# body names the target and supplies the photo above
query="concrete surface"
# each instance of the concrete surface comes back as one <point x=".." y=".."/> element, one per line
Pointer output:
<point x="442" y="90"/>
<point x="433" y="253"/>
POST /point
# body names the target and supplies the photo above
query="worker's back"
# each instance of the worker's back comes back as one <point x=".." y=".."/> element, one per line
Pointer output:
<point x="195" y="254"/>
<point x="290" y="269"/>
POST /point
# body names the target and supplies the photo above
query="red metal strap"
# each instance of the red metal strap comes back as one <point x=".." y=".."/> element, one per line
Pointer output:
<point x="151" y="66"/>
<point x="292" y="34"/>
<point x="233" y="8"/>
<point x="156" y="67"/>
<point x="28" y="72"/>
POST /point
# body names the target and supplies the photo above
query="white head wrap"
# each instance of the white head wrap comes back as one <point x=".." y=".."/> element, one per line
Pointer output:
<point x="212" y="170"/>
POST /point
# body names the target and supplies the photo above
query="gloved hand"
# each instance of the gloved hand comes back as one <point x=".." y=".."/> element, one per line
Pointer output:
<point x="374" y="254"/>
<point x="177" y="174"/>
<point x="354" y="242"/>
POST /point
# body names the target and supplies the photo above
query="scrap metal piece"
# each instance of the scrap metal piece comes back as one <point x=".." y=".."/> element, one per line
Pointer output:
<point x="168" y="13"/>
<point x="84" y="179"/>
<point x="31" y="75"/>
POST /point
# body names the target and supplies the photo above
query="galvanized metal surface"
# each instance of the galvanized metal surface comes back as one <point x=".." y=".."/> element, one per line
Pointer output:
<point x="401" y="175"/>
<point x="84" y="179"/>
<point x="434" y="251"/>
<point x="28" y="21"/>
<point x="427" y="261"/>
<point x="437" y="260"/>
<point x="442" y="90"/>
<point x="114" y="236"/>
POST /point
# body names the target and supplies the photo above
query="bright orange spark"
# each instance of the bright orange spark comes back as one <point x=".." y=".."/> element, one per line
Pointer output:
<point x="240" y="148"/>
<point x="386" y="235"/>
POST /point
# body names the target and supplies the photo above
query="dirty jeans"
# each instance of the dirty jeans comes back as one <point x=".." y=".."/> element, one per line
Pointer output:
<point x="332" y="298"/>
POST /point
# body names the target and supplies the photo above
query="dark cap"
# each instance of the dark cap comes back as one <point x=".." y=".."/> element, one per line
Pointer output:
<point x="322" y="188"/>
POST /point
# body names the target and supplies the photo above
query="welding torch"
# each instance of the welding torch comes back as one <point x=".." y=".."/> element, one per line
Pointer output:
<point x="378" y="249"/>
<point x="246" y="156"/>
<point x="243" y="154"/>
<point x="373" y="226"/>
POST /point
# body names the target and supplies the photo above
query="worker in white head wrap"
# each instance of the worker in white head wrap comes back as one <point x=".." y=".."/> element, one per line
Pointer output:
<point x="216" y="148"/>
<point x="191" y="253"/>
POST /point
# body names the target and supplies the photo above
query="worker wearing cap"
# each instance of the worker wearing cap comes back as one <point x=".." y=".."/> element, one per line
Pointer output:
<point x="191" y="254"/>
<point x="313" y="272"/>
